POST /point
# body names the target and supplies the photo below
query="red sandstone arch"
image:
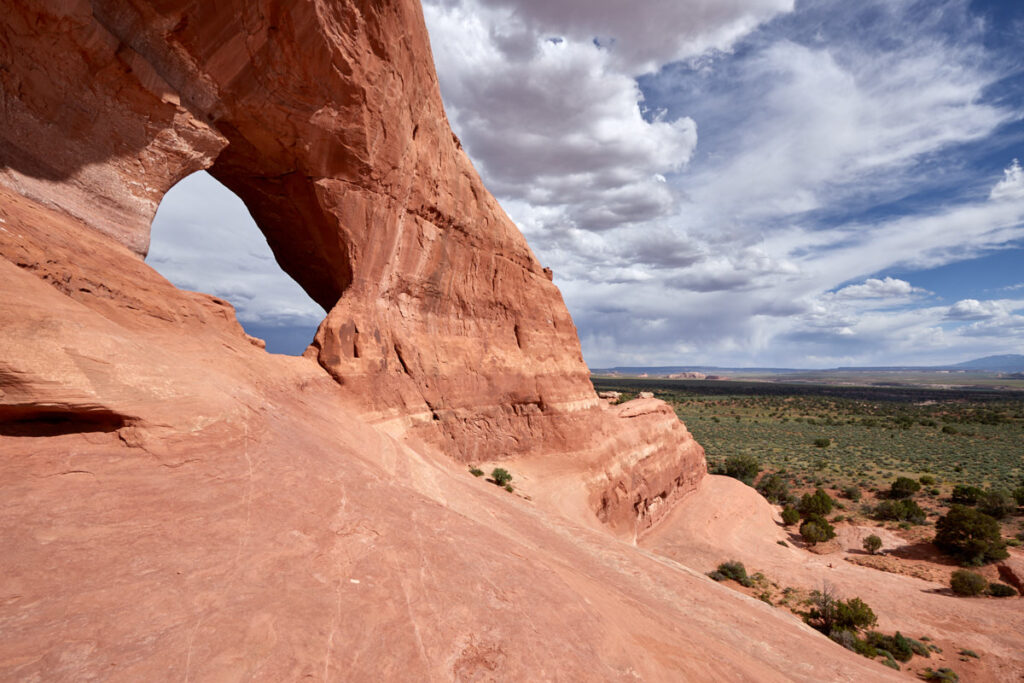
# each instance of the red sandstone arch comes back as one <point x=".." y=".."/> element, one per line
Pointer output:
<point x="326" y="119"/>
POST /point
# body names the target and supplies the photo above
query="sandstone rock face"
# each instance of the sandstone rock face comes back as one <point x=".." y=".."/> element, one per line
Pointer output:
<point x="1011" y="571"/>
<point x="326" y="119"/>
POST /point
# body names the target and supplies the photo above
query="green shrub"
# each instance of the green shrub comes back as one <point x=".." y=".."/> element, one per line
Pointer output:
<point x="819" y="503"/>
<point x="1018" y="495"/>
<point x="1001" y="590"/>
<point x="905" y="510"/>
<point x="823" y="443"/>
<point x="732" y="570"/>
<point x="997" y="503"/>
<point x="501" y="476"/>
<point x="904" y="487"/>
<point x="476" y="472"/>
<point x="896" y="645"/>
<point x="854" y="615"/>
<point x="832" y="616"/>
<point x="889" y="661"/>
<point x="742" y="467"/>
<point x="944" y="674"/>
<point x="790" y="516"/>
<point x="863" y="647"/>
<point x="872" y="544"/>
<point x="967" y="495"/>
<point x="969" y="653"/>
<point x="851" y="492"/>
<point x="508" y="487"/>
<point x="926" y="480"/>
<point x="816" y="529"/>
<point x="774" y="488"/>
<point x="970" y="535"/>
<point x="919" y="648"/>
<point x="968" y="583"/>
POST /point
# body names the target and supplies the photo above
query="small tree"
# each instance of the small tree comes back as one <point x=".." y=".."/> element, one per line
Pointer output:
<point x="1018" y="495"/>
<point x="816" y="530"/>
<point x="819" y="504"/>
<point x="905" y="510"/>
<point x="790" y="516"/>
<point x="904" y="487"/>
<point x="997" y="503"/>
<point x="872" y="544"/>
<point x="774" y="488"/>
<point x="501" y="476"/>
<point x="967" y="495"/>
<point x="854" y="615"/>
<point x="852" y="493"/>
<point x="968" y="583"/>
<point x="970" y="535"/>
<point x="830" y="615"/>
<point x="742" y="467"/>
<point x="822" y="614"/>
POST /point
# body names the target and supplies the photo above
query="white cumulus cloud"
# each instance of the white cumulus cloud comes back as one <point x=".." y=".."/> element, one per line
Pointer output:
<point x="972" y="309"/>
<point x="874" y="288"/>
<point x="553" y="119"/>
<point x="1012" y="184"/>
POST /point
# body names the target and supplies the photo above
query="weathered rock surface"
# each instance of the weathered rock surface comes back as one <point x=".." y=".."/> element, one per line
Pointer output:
<point x="1011" y="571"/>
<point x="178" y="503"/>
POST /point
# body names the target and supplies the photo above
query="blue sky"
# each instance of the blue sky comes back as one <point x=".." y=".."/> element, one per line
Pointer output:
<point x="747" y="182"/>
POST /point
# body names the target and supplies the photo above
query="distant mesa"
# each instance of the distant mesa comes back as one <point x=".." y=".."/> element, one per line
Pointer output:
<point x="1010" y="363"/>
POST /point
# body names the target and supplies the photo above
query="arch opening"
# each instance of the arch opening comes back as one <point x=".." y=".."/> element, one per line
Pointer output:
<point x="203" y="238"/>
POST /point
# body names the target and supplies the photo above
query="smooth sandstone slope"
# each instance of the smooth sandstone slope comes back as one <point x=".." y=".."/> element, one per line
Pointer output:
<point x="177" y="502"/>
